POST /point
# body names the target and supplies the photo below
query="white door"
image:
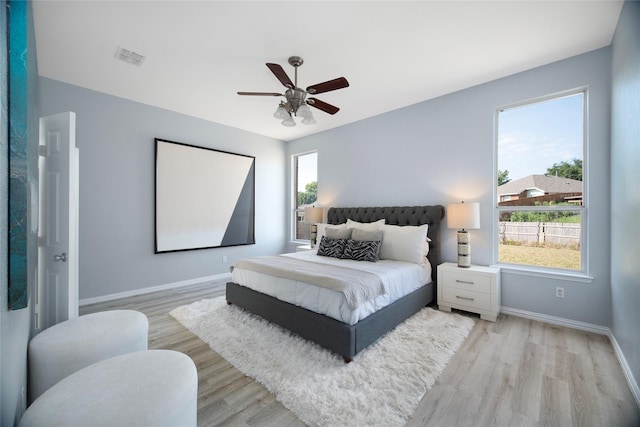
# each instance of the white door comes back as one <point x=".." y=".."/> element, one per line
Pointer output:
<point x="57" y="294"/>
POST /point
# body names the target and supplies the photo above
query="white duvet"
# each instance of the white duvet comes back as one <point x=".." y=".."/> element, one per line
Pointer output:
<point x="399" y="278"/>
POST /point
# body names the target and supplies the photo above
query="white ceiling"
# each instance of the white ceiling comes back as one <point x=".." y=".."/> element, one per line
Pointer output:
<point x="393" y="53"/>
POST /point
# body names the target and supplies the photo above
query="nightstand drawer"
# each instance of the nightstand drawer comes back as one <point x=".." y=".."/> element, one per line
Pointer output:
<point x="466" y="281"/>
<point x="466" y="299"/>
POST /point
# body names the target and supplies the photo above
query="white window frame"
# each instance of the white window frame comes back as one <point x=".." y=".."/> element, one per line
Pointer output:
<point x="583" y="273"/>
<point x="294" y="211"/>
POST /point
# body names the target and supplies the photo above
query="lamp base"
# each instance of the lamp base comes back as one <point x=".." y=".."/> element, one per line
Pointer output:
<point x="464" y="262"/>
<point x="464" y="249"/>
<point x="313" y="236"/>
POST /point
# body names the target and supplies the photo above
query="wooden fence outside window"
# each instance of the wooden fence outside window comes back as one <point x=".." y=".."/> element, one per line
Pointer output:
<point x="540" y="233"/>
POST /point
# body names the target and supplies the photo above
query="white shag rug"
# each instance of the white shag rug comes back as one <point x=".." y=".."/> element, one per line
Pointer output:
<point x="382" y="386"/>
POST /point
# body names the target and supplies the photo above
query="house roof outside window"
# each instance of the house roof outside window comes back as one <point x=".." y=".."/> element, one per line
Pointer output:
<point x="536" y="186"/>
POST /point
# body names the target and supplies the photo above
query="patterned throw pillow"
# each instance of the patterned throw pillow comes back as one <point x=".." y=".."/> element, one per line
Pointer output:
<point x="331" y="247"/>
<point x="362" y="250"/>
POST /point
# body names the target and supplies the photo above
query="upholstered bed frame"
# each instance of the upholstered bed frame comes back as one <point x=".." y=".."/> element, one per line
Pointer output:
<point x="348" y="340"/>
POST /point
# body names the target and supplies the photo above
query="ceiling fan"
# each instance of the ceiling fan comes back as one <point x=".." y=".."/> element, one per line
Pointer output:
<point x="296" y="98"/>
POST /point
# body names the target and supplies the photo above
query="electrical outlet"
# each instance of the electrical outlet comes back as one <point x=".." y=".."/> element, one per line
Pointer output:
<point x="560" y="292"/>
<point x="224" y="258"/>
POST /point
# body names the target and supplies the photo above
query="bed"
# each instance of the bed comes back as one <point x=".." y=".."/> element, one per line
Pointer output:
<point x="343" y="336"/>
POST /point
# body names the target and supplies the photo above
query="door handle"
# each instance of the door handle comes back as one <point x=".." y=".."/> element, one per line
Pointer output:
<point x="62" y="257"/>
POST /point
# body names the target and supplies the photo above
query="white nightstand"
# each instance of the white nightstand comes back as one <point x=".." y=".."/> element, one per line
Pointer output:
<point x="475" y="289"/>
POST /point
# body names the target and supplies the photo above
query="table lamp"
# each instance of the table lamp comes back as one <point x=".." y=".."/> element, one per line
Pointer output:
<point x="313" y="215"/>
<point x="464" y="216"/>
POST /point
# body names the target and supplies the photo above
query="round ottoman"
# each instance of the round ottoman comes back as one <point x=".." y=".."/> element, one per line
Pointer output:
<point x="145" y="388"/>
<point x="76" y="343"/>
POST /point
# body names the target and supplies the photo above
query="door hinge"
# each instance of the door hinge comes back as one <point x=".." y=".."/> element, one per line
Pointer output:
<point x="42" y="150"/>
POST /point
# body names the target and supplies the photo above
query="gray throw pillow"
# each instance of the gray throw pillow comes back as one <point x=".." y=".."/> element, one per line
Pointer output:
<point x="338" y="233"/>
<point x="366" y="235"/>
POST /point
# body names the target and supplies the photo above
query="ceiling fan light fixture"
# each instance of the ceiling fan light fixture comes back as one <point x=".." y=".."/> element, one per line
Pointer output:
<point x="309" y="120"/>
<point x="304" y="111"/>
<point x="281" y="113"/>
<point x="288" y="122"/>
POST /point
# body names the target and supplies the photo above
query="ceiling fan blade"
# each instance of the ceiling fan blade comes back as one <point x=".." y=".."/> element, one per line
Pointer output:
<point x="334" y="84"/>
<point x="260" y="93"/>
<point x="321" y="105"/>
<point x="280" y="74"/>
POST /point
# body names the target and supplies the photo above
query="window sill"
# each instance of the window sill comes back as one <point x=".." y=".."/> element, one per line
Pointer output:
<point x="558" y="275"/>
<point x="300" y="242"/>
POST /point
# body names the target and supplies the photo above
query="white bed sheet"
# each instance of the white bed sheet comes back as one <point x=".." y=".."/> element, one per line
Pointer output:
<point x="399" y="279"/>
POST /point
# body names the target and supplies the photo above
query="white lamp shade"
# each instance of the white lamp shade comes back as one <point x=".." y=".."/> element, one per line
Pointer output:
<point x="308" y="120"/>
<point x="463" y="216"/>
<point x="288" y="122"/>
<point x="303" y="111"/>
<point x="281" y="113"/>
<point x="313" y="215"/>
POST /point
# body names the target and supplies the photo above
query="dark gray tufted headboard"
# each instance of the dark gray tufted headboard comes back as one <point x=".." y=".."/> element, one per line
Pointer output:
<point x="399" y="215"/>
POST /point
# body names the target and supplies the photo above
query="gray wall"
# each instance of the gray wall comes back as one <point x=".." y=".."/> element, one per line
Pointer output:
<point x="625" y="186"/>
<point x="442" y="151"/>
<point x="116" y="141"/>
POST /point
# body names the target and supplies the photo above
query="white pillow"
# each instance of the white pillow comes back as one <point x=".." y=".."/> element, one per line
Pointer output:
<point x="322" y="230"/>
<point x="408" y="243"/>
<point x="367" y="226"/>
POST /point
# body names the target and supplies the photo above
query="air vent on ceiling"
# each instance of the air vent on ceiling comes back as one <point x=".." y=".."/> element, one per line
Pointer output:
<point x="129" y="56"/>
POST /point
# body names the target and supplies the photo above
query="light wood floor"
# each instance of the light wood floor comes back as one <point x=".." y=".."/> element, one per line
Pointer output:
<point x="514" y="372"/>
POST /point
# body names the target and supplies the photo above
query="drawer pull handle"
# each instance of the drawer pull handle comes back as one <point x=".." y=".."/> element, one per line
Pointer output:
<point x="464" y="281"/>
<point x="465" y="298"/>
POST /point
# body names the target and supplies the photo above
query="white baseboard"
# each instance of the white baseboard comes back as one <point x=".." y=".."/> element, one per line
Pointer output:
<point x="560" y="321"/>
<point x="633" y="384"/>
<point x="196" y="281"/>
<point x="589" y="327"/>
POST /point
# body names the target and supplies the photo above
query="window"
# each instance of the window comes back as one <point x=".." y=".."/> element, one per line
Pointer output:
<point x="540" y="193"/>
<point x="305" y="185"/>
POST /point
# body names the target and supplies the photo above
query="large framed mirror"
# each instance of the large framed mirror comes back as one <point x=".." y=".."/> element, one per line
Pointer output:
<point x="204" y="198"/>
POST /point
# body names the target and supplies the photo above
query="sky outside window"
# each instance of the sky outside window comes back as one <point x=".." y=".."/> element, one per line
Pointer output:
<point x="533" y="137"/>
<point x="307" y="170"/>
